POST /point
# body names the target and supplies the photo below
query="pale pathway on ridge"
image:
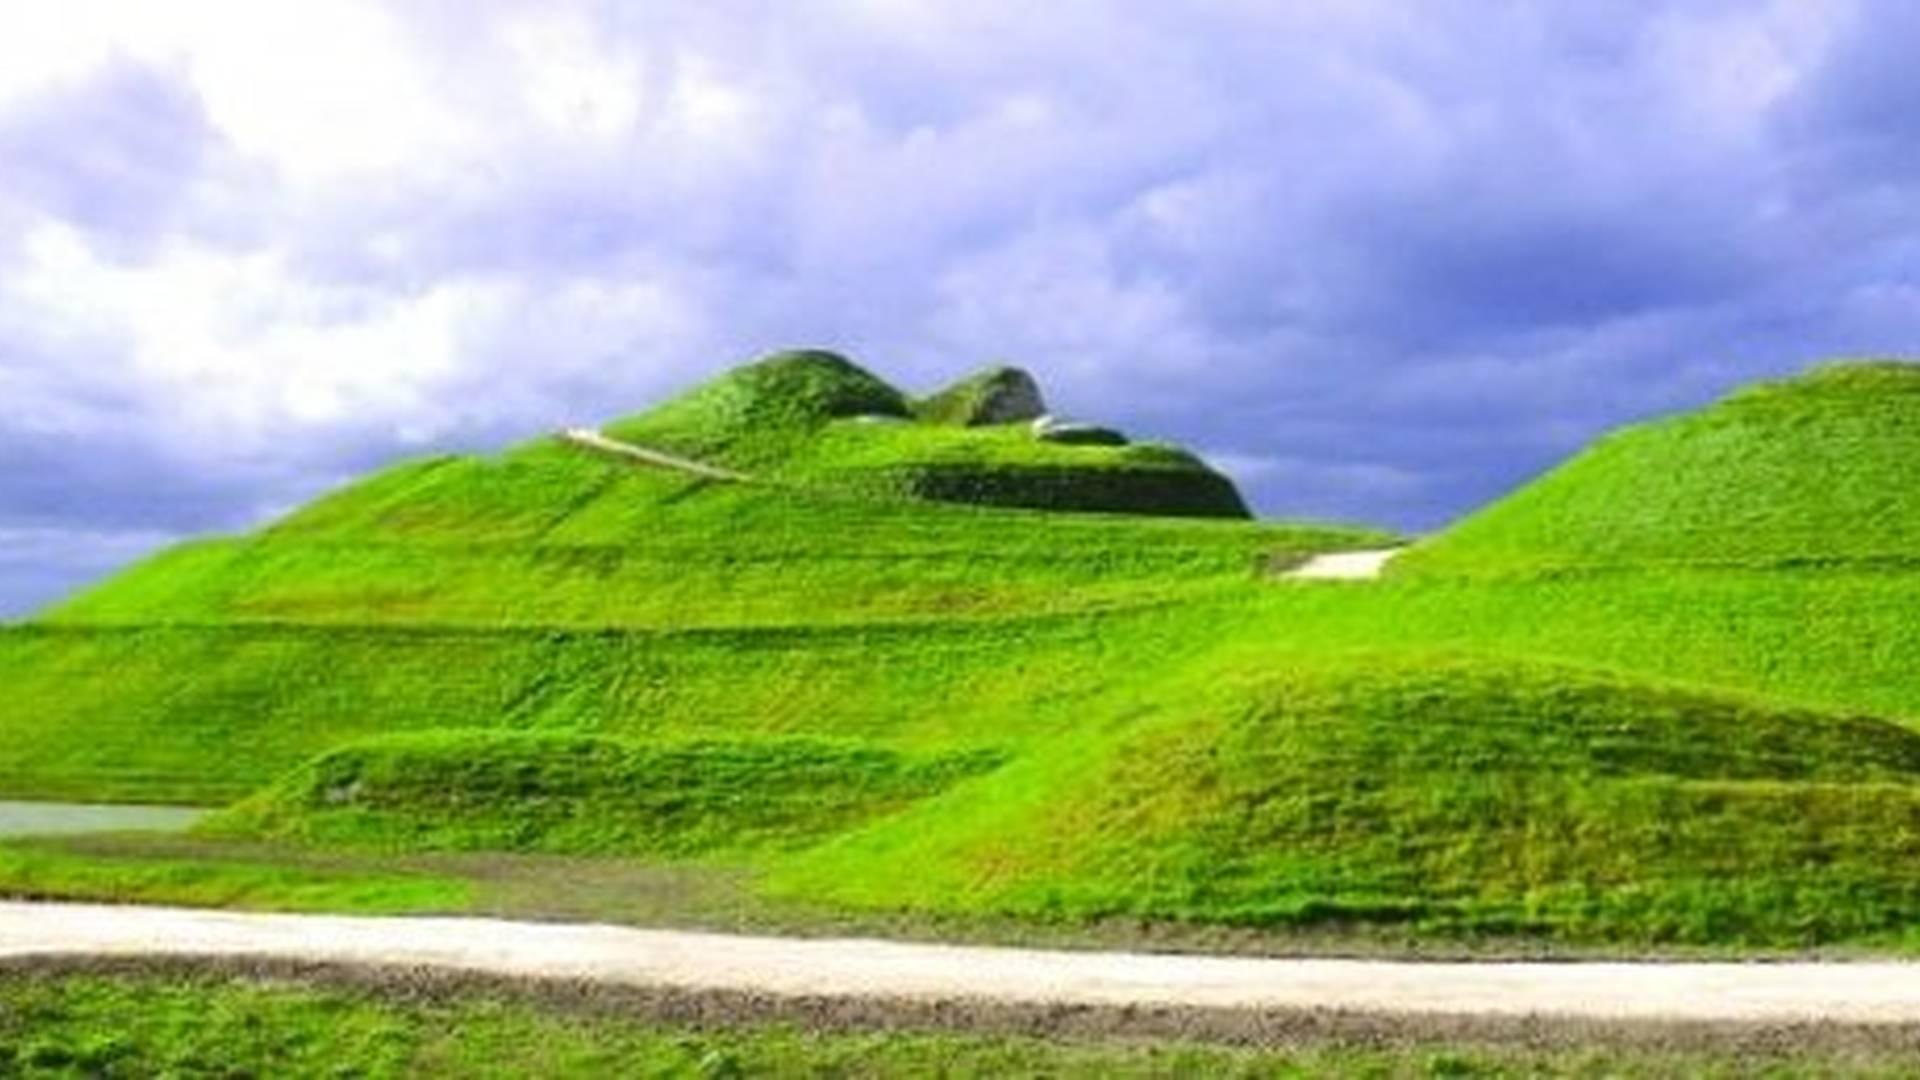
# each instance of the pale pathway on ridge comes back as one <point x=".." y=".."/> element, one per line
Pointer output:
<point x="593" y="440"/>
<point x="1768" y="992"/>
<point x="1344" y="565"/>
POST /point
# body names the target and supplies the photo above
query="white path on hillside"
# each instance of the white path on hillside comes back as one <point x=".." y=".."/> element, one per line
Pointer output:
<point x="1344" y="565"/>
<point x="593" y="440"/>
<point x="1849" y="992"/>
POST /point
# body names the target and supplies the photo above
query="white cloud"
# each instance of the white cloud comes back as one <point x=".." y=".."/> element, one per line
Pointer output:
<point x="235" y="344"/>
<point x="574" y="80"/>
<point x="321" y="92"/>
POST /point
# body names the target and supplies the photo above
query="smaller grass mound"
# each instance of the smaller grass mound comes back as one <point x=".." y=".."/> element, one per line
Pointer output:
<point x="472" y="790"/>
<point x="752" y="416"/>
<point x="997" y="395"/>
<point x="1447" y="795"/>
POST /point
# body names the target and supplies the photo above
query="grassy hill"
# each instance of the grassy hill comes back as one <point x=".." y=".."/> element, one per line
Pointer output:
<point x="1438" y="793"/>
<point x="1808" y="471"/>
<point x="554" y="587"/>
<point x="1666" y="694"/>
<point x="528" y="791"/>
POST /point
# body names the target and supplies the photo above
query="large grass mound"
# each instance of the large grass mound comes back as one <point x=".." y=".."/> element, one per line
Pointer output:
<point x="816" y="419"/>
<point x="1818" y="469"/>
<point x="1448" y="795"/>
<point x="587" y="794"/>
<point x="550" y="534"/>
<point x="553" y="586"/>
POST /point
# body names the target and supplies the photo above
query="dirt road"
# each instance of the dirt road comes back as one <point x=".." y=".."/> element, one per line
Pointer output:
<point x="1840" y="992"/>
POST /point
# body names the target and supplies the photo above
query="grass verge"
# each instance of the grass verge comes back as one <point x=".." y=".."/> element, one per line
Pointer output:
<point x="140" y="1019"/>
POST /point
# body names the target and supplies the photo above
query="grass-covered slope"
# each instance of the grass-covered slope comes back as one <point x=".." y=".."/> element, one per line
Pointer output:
<point x="814" y="419"/>
<point x="588" y="794"/>
<point x="753" y="416"/>
<point x="550" y="534"/>
<point x="205" y="714"/>
<point x="1437" y="793"/>
<point x="208" y="711"/>
<point x="1818" y="469"/>
<point x="554" y="587"/>
<point x="554" y="649"/>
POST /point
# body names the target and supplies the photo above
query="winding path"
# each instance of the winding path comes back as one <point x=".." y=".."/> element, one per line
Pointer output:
<point x="864" y="969"/>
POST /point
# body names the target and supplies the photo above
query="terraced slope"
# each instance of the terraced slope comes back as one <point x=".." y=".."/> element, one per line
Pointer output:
<point x="555" y="587"/>
<point x="1809" y="471"/>
<point x="553" y="535"/>
<point x="976" y="711"/>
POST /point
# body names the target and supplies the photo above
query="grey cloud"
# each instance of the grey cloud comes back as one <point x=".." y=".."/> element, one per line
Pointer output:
<point x="1388" y="259"/>
<point x="116" y="155"/>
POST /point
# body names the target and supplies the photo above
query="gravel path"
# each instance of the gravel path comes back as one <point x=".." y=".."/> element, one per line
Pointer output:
<point x="1841" y="992"/>
<point x="1345" y="565"/>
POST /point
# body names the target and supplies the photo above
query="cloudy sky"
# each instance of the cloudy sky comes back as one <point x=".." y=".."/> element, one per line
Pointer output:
<point x="1380" y="260"/>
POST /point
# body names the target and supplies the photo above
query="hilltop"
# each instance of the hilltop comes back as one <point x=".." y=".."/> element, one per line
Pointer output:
<point x="1819" y="469"/>
<point x="817" y="419"/>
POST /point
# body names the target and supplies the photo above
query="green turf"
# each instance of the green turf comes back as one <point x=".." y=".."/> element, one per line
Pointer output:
<point x="561" y="537"/>
<point x="578" y="794"/>
<point x="754" y="416"/>
<point x="1815" y="470"/>
<point x="992" y="395"/>
<point x="34" y="870"/>
<point x="58" y="1025"/>
<point x="1454" y="794"/>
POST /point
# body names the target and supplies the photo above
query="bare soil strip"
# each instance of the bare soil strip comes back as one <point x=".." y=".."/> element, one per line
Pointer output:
<point x="1845" y="993"/>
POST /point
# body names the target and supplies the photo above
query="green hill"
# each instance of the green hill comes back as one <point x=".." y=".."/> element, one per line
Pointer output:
<point x="870" y="700"/>
<point x="553" y="586"/>
<point x="1814" y="470"/>
<point x="1438" y="793"/>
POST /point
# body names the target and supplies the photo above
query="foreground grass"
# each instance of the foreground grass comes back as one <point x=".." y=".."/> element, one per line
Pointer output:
<point x="48" y="870"/>
<point x="720" y="897"/>
<point x="97" y="1025"/>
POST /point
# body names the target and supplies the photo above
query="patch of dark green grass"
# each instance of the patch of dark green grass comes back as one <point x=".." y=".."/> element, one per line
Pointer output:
<point x="1451" y="795"/>
<point x="453" y="790"/>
